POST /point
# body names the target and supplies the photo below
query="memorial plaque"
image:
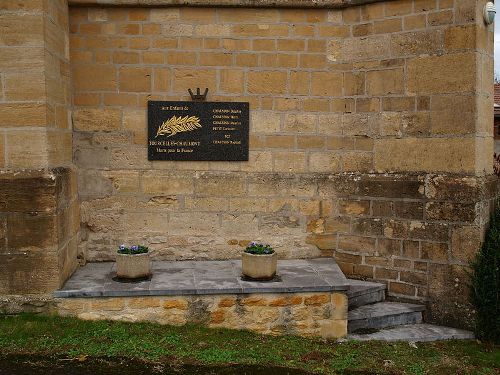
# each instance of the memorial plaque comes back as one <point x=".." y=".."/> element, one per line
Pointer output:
<point x="214" y="131"/>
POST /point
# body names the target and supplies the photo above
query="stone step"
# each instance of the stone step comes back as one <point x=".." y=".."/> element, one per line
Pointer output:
<point x="383" y="315"/>
<point x="362" y="293"/>
<point x="415" y="333"/>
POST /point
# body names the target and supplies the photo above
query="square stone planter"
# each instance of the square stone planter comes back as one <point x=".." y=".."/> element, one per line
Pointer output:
<point x="133" y="266"/>
<point x="259" y="266"/>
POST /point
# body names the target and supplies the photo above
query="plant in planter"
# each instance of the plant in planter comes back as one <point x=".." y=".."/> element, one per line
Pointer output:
<point x="133" y="262"/>
<point x="258" y="262"/>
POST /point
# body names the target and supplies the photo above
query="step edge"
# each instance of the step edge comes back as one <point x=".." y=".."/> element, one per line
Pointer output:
<point x="400" y="312"/>
<point x="460" y="334"/>
<point x="369" y="290"/>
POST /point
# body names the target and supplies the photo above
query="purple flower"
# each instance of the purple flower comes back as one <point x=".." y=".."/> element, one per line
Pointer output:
<point x="134" y="247"/>
<point x="122" y="247"/>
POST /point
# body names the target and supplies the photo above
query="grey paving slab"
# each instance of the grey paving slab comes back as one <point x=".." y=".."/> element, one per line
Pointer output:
<point x="115" y="289"/>
<point x="218" y="286"/>
<point x="87" y="281"/>
<point x="205" y="277"/>
<point x="415" y="333"/>
<point x="185" y="264"/>
<point x="173" y="280"/>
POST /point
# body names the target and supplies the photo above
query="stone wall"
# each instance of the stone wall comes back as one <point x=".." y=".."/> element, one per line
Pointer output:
<point x="39" y="221"/>
<point x="39" y="209"/>
<point x="305" y="314"/>
<point x="370" y="134"/>
<point x="350" y="113"/>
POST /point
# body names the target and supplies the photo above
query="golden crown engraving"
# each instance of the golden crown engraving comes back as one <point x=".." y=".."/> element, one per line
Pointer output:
<point x="179" y="124"/>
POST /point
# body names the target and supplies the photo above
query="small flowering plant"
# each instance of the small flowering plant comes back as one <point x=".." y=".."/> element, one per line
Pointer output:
<point x="132" y="250"/>
<point x="259" y="249"/>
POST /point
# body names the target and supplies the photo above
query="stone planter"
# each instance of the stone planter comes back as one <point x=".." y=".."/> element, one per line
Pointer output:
<point x="260" y="266"/>
<point x="133" y="266"/>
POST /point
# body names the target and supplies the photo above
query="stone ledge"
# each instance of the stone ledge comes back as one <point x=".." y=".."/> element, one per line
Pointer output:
<point x="305" y="314"/>
<point x="205" y="278"/>
<point x="314" y="4"/>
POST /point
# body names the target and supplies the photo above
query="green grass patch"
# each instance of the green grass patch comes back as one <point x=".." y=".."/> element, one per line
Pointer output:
<point x="73" y="338"/>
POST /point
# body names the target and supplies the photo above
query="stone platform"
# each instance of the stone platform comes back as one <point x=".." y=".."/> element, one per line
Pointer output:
<point x="308" y="298"/>
<point x="206" y="277"/>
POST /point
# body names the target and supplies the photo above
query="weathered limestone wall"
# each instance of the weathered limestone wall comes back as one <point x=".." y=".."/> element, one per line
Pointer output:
<point x="39" y="226"/>
<point x="35" y="95"/>
<point x="38" y="196"/>
<point x="305" y="314"/>
<point x="371" y="136"/>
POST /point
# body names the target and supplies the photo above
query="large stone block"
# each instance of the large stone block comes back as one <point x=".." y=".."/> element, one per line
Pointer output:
<point x="378" y="185"/>
<point x="92" y="158"/>
<point x="17" y="155"/>
<point x="167" y="183"/>
<point x="458" y="189"/>
<point x="324" y="162"/>
<point x="265" y="122"/>
<point x="94" y="184"/>
<point x="455" y="73"/>
<point x="448" y="296"/>
<point x="13" y="59"/>
<point x="105" y="119"/>
<point x="466" y="243"/>
<point x="188" y="78"/>
<point x="226" y="185"/>
<point x="29" y="273"/>
<point x="28" y="191"/>
<point x="449" y="211"/>
<point x="34" y="233"/>
<point x="445" y="120"/>
<point x="425" y="154"/>
<point x="326" y="83"/>
<point x="385" y="82"/>
<point x="193" y="223"/>
<point x="266" y="82"/>
<point x="29" y="85"/>
<point x="460" y="37"/>
<point x="103" y="77"/>
<point x="272" y="185"/>
<point x="432" y="231"/>
<point x="135" y="79"/>
<point x="21" y="29"/>
<point x="349" y="49"/>
<point x="23" y="114"/>
<point x="417" y="43"/>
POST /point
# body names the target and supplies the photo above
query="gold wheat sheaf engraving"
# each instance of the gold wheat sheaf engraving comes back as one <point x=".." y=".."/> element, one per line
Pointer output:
<point x="179" y="124"/>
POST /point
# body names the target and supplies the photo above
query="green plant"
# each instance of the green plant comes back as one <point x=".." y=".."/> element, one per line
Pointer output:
<point x="259" y="249"/>
<point x="416" y="369"/>
<point x="132" y="250"/>
<point x="485" y="284"/>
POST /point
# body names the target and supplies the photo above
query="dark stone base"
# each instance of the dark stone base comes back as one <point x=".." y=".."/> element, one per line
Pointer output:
<point x="38" y="230"/>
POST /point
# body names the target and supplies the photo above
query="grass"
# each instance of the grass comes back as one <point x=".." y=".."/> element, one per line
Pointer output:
<point x="73" y="338"/>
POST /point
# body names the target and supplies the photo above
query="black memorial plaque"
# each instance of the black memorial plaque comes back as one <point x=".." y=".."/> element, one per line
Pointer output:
<point x="214" y="131"/>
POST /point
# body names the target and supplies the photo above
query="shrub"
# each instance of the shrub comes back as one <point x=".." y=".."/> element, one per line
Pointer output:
<point x="485" y="284"/>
